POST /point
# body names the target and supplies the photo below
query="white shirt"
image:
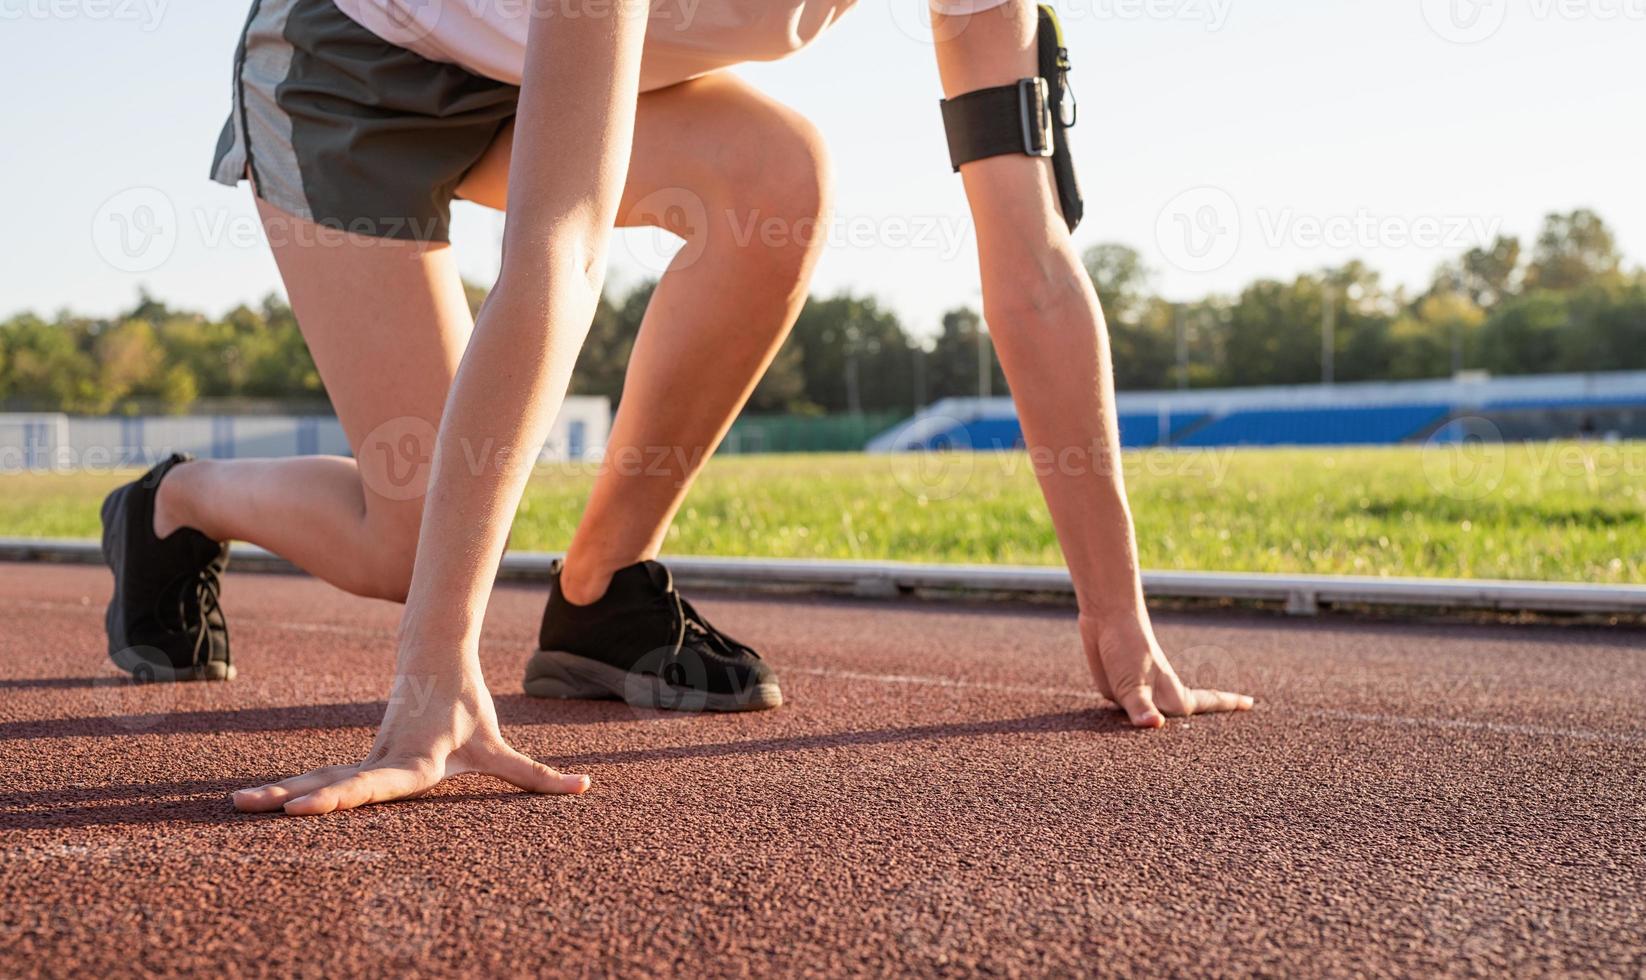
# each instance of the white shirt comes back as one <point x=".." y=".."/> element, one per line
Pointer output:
<point x="684" y="38"/>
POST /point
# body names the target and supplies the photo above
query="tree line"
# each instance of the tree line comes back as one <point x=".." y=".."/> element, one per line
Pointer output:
<point x="1565" y="303"/>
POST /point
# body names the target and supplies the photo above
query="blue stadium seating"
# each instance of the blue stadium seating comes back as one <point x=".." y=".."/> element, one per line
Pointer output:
<point x="1136" y="432"/>
<point x="1317" y="426"/>
<point x="1517" y="409"/>
<point x="1000" y="433"/>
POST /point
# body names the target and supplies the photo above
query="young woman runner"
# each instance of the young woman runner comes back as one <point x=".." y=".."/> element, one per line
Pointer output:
<point x="369" y="116"/>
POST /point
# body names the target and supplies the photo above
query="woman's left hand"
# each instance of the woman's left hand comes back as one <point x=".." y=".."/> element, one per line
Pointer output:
<point x="427" y="735"/>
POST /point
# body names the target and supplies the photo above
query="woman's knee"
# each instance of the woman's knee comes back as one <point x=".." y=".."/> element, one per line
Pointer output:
<point x="773" y="193"/>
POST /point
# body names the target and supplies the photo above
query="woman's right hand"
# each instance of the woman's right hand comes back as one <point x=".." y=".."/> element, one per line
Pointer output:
<point x="1131" y="670"/>
<point x="429" y="732"/>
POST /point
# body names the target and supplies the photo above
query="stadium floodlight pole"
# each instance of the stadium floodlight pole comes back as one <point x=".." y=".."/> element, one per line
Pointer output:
<point x="985" y="374"/>
<point x="1182" y="332"/>
<point x="851" y="338"/>
<point x="1457" y="327"/>
<point x="854" y="399"/>
<point x="1328" y="332"/>
<point x="918" y="352"/>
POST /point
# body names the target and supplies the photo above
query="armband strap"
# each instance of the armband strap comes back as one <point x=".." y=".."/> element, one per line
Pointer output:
<point x="1030" y="116"/>
<point x="992" y="122"/>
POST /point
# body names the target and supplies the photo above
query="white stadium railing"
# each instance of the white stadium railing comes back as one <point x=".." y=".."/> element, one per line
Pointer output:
<point x="54" y="441"/>
<point x="1298" y="594"/>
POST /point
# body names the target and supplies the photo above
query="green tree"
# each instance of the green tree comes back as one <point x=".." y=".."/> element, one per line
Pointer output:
<point x="130" y="361"/>
<point x="952" y="366"/>
<point x="604" y="359"/>
<point x="782" y="389"/>
<point x="1525" y="336"/>
<point x="854" y="355"/>
<point x="275" y="358"/>
<point x="1273" y="334"/>
<point x="1144" y="349"/>
<point x="1438" y="334"/>
<point x="1487" y="276"/>
<point x="1572" y="251"/>
<point x="476" y="295"/>
<point x="1121" y="280"/>
<point x="47" y="369"/>
<point x="1363" y="314"/>
<point x="1606" y="328"/>
<point x="177" y="390"/>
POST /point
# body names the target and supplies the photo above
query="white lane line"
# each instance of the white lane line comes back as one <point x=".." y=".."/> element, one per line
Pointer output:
<point x="1494" y="727"/>
<point x="1396" y="721"/>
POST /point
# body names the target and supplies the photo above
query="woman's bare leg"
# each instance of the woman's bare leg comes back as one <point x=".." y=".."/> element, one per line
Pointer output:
<point x="387" y="322"/>
<point x="745" y="181"/>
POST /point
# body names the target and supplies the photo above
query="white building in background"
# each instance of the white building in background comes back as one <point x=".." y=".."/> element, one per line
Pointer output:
<point x="54" y="441"/>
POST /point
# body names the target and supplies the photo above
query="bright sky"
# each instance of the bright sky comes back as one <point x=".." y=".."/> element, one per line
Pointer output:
<point x="1226" y="139"/>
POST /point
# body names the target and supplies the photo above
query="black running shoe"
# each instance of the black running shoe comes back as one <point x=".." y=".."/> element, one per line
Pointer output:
<point x="164" y="622"/>
<point x="643" y="643"/>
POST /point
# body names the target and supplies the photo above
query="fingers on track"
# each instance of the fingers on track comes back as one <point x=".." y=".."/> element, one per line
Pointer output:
<point x="1202" y="701"/>
<point x="1140" y="707"/>
<point x="366" y="786"/>
<point x="1178" y="701"/>
<point x="273" y="796"/>
<point x="529" y="774"/>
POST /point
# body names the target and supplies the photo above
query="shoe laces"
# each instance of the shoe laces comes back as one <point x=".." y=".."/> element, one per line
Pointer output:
<point x="689" y="624"/>
<point x="208" y="589"/>
<point x="202" y="596"/>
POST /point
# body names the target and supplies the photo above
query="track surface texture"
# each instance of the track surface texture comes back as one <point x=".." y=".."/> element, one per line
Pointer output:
<point x="943" y="794"/>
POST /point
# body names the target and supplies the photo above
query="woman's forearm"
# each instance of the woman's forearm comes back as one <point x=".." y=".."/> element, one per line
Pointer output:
<point x="511" y="382"/>
<point x="1047" y="326"/>
<point x="575" y="127"/>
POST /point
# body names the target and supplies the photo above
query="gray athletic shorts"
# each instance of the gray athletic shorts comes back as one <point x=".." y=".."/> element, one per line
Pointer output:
<point x="342" y="128"/>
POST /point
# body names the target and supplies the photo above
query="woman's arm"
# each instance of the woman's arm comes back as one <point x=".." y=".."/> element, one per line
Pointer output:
<point x="571" y="152"/>
<point x="1048" y="328"/>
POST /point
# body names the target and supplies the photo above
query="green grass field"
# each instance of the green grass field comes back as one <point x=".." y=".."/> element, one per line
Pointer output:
<point x="1560" y="511"/>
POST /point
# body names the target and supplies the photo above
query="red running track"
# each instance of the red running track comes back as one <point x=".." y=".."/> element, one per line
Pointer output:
<point x="941" y="794"/>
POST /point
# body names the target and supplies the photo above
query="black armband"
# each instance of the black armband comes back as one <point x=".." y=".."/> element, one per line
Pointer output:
<point x="1030" y="116"/>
